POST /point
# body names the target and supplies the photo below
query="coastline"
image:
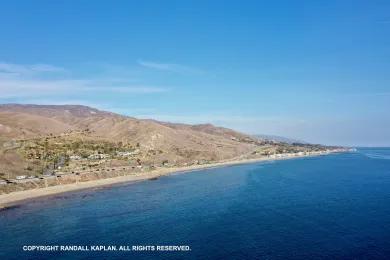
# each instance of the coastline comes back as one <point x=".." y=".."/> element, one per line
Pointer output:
<point x="10" y="199"/>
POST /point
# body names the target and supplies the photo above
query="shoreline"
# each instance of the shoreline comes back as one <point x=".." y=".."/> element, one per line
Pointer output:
<point x="14" y="198"/>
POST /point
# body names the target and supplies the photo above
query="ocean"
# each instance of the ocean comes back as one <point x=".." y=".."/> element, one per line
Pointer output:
<point x="327" y="207"/>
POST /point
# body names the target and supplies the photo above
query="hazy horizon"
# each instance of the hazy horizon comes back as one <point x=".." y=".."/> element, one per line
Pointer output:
<point x="317" y="72"/>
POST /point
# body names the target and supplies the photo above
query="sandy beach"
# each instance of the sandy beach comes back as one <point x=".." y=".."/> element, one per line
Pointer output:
<point x="20" y="196"/>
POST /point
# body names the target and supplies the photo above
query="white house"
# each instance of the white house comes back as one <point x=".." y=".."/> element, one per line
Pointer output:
<point x="75" y="157"/>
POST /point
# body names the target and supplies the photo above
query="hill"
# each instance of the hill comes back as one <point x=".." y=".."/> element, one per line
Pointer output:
<point x="41" y="139"/>
<point x="278" y="138"/>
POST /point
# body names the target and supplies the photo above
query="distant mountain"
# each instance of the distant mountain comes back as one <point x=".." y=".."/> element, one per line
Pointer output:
<point x="277" y="138"/>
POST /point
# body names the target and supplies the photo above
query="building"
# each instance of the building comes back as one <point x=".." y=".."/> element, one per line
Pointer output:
<point x="98" y="156"/>
<point x="75" y="157"/>
<point x="128" y="153"/>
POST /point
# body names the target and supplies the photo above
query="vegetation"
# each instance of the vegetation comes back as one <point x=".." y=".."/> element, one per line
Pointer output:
<point x="57" y="140"/>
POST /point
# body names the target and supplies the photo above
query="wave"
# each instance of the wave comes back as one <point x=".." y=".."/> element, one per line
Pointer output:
<point x="377" y="156"/>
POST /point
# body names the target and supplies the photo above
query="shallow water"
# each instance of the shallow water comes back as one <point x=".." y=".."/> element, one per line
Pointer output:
<point x="335" y="206"/>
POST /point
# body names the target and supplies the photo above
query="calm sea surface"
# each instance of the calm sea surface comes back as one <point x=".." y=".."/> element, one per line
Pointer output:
<point x="335" y="206"/>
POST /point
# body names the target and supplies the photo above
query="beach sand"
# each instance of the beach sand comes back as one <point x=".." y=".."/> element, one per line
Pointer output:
<point x="13" y="198"/>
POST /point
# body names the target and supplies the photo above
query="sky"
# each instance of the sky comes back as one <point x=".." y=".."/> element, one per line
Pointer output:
<point x="317" y="71"/>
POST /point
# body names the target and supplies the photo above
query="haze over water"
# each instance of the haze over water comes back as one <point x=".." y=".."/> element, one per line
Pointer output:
<point x="335" y="206"/>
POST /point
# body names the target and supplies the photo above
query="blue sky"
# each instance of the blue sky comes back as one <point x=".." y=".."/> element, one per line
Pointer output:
<point x="312" y="70"/>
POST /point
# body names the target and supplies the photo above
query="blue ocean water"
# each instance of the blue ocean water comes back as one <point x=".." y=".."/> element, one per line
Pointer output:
<point x="328" y="207"/>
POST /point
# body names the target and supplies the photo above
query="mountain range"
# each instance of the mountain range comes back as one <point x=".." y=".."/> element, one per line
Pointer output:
<point x="32" y="137"/>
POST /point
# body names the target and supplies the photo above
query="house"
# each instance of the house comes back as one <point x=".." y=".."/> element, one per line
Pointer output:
<point x="128" y="153"/>
<point x="203" y="161"/>
<point x="123" y="154"/>
<point x="98" y="156"/>
<point x="21" y="177"/>
<point x="75" y="157"/>
<point x="3" y="182"/>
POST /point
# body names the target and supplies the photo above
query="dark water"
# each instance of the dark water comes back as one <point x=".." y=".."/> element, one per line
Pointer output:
<point x="331" y="207"/>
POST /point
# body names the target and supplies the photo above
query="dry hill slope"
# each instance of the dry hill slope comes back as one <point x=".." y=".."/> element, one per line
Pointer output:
<point x="52" y="145"/>
<point x="38" y="139"/>
<point x="156" y="141"/>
